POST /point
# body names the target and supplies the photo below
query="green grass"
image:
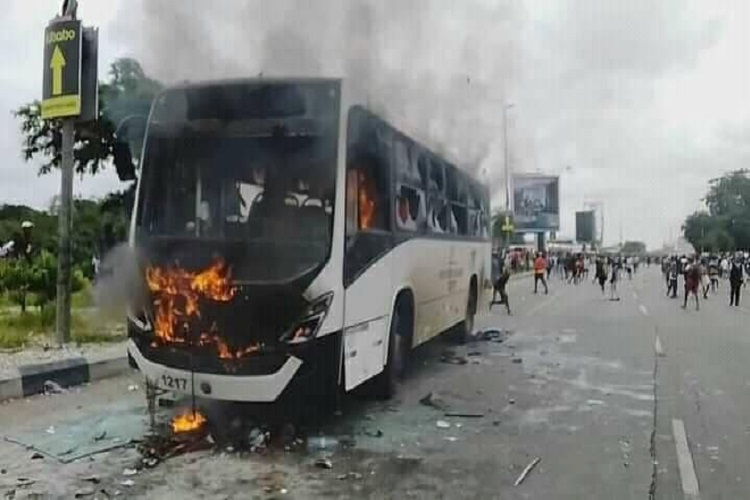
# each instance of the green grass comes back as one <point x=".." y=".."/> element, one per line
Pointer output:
<point x="18" y="330"/>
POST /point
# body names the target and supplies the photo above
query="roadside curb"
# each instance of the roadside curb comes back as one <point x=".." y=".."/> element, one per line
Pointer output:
<point x="29" y="380"/>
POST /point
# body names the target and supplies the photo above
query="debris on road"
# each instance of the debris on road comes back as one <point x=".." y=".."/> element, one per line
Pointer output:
<point x="511" y="401"/>
<point x="452" y="358"/>
<point x="434" y="400"/>
<point x="376" y="433"/>
<point x="132" y="387"/>
<point x="492" y="335"/>
<point x="52" y="387"/>
<point x="129" y="472"/>
<point x="442" y="424"/>
<point x="349" y="475"/>
<point x="127" y="482"/>
<point x="464" y="414"/>
<point x="323" y="463"/>
<point x="526" y="471"/>
<point x="84" y="492"/>
<point x="517" y="360"/>
<point x="25" y="481"/>
<point x="452" y="439"/>
<point x="100" y="436"/>
<point x="322" y="443"/>
<point x="36" y="456"/>
<point x="51" y="429"/>
<point x="473" y="353"/>
<point x="92" y="479"/>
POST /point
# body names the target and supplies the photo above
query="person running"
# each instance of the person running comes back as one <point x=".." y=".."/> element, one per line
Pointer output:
<point x="540" y="267"/>
<point x="500" y="286"/>
<point x="705" y="280"/>
<point x="736" y="279"/>
<point x="692" y="282"/>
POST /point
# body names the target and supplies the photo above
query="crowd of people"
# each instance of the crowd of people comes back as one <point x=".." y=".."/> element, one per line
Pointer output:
<point x="571" y="268"/>
<point x="701" y="275"/>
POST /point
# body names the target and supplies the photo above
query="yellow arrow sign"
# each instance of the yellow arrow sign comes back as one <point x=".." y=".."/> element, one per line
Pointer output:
<point x="57" y="64"/>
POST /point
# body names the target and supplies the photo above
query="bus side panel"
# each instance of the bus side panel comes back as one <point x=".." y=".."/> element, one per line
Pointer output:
<point x="366" y="322"/>
<point x="419" y="264"/>
<point x="468" y="259"/>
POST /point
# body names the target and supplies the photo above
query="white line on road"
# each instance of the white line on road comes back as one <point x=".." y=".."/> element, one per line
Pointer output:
<point x="658" y="348"/>
<point x="643" y="310"/>
<point x="685" y="461"/>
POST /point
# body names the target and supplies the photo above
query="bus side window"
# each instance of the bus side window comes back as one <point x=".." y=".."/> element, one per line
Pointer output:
<point x="409" y="208"/>
<point x="366" y="197"/>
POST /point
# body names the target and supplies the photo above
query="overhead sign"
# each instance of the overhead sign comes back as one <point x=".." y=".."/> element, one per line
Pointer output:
<point x="61" y="90"/>
<point x="585" y="226"/>
<point x="536" y="203"/>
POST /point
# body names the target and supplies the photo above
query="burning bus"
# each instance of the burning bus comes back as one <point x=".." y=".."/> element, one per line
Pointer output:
<point x="293" y="244"/>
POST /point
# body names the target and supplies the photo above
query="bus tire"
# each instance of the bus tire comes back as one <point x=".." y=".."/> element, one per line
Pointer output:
<point x="466" y="328"/>
<point x="399" y="337"/>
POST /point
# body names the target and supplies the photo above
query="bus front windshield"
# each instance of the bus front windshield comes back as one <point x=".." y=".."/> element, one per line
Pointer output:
<point x="271" y="194"/>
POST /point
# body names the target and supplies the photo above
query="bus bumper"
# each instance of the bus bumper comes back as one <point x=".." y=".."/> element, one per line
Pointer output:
<point x="309" y="370"/>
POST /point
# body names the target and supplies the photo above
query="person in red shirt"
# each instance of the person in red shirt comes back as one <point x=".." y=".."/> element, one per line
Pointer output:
<point x="540" y="267"/>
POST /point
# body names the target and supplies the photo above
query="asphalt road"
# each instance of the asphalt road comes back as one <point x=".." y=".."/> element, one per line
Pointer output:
<point x="578" y="382"/>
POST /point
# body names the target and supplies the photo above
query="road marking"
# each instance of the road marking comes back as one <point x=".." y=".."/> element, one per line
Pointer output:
<point x="643" y="310"/>
<point x="658" y="347"/>
<point x="685" y="461"/>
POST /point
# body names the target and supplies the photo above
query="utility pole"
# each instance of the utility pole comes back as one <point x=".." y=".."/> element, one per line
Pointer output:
<point x="507" y="156"/>
<point x="63" y="99"/>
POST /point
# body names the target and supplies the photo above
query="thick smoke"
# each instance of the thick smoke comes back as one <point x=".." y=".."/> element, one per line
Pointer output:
<point x="438" y="69"/>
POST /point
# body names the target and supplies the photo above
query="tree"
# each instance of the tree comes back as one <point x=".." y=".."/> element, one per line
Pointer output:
<point x="634" y="247"/>
<point x="127" y="93"/>
<point x="725" y="223"/>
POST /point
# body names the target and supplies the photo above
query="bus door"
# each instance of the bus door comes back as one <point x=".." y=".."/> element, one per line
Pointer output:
<point x="367" y="270"/>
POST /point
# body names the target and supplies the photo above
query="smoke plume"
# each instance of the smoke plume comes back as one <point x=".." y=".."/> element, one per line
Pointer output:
<point x="438" y="69"/>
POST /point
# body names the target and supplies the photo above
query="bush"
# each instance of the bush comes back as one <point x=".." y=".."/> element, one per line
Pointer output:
<point x="38" y="278"/>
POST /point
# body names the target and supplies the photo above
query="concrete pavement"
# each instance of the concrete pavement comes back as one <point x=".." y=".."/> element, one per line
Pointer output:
<point x="573" y="384"/>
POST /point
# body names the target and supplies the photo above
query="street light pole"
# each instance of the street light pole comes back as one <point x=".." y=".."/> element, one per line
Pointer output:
<point x="507" y="155"/>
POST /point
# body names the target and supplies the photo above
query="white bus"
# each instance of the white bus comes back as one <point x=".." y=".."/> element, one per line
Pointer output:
<point x="294" y="245"/>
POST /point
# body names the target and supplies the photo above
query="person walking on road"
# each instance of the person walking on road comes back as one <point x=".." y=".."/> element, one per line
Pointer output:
<point x="601" y="274"/>
<point x="615" y="271"/>
<point x="672" y="280"/>
<point x="692" y="283"/>
<point x="540" y="268"/>
<point x="736" y="279"/>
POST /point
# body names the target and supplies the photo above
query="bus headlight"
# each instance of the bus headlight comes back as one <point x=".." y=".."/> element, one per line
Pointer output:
<point x="309" y="322"/>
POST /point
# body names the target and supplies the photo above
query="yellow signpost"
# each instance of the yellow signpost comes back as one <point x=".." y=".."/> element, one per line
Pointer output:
<point x="61" y="90"/>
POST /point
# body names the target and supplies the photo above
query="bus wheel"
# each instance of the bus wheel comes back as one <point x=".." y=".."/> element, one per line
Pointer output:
<point x="466" y="327"/>
<point x="386" y="382"/>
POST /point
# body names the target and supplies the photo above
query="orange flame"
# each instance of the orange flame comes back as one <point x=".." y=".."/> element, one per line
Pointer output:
<point x="177" y="298"/>
<point x="188" y="421"/>
<point x="366" y="201"/>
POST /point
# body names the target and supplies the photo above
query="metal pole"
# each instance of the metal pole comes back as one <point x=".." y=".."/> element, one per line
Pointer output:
<point x="507" y="157"/>
<point x="64" y="226"/>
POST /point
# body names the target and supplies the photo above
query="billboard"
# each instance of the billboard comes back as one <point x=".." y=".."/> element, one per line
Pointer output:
<point x="536" y="203"/>
<point x="585" y="226"/>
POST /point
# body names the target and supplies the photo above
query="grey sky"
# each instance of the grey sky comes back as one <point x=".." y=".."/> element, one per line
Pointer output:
<point x="645" y="101"/>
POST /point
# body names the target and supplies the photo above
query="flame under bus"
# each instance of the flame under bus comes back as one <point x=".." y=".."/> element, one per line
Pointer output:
<point x="279" y="229"/>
